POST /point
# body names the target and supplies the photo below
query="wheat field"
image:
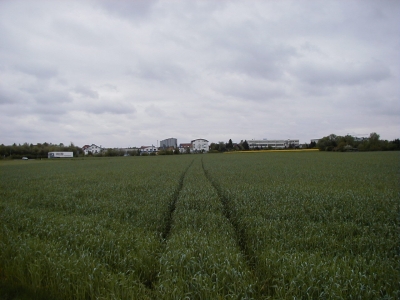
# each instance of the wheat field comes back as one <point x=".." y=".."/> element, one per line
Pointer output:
<point x="276" y="225"/>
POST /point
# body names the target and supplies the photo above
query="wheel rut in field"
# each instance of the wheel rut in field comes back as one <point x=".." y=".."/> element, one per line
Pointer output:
<point x="172" y="206"/>
<point x="240" y="235"/>
<point x="149" y="283"/>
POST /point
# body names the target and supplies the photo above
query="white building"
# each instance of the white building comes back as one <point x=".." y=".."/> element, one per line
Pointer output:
<point x="275" y="144"/>
<point x="148" y="149"/>
<point x="200" y="145"/>
<point x="92" y="149"/>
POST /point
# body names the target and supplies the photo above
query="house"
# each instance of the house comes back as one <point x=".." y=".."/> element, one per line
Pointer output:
<point x="93" y="149"/>
<point x="199" y="145"/>
<point x="185" y="147"/>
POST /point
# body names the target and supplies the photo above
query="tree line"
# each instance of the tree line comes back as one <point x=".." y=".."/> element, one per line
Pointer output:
<point x="349" y="143"/>
<point x="39" y="150"/>
<point x="229" y="146"/>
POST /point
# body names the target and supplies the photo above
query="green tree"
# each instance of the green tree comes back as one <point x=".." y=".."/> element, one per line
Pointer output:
<point x="246" y="145"/>
<point x="214" y="146"/>
<point x="229" y="146"/>
<point x="327" y="143"/>
<point x="395" y="144"/>
<point x="221" y="147"/>
<point x="312" y="145"/>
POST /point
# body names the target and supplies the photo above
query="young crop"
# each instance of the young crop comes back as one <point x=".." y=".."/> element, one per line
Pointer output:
<point x="316" y="225"/>
<point x="86" y="229"/>
<point x="284" y="225"/>
<point x="201" y="259"/>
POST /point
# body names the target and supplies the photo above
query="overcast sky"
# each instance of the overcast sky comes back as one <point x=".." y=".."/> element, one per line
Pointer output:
<point x="131" y="73"/>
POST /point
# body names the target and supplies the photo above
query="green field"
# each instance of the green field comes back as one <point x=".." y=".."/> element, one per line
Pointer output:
<point x="212" y="226"/>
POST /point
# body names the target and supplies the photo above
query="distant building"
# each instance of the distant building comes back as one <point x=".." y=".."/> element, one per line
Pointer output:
<point x="94" y="149"/>
<point x="148" y="149"/>
<point x="200" y="145"/>
<point x="315" y="141"/>
<point x="185" y="147"/>
<point x="169" y="143"/>
<point x="274" y="144"/>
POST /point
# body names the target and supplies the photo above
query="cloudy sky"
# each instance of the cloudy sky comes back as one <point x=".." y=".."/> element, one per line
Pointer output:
<point x="131" y="73"/>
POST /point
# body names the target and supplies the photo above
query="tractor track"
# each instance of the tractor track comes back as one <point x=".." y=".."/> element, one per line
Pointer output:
<point x="150" y="283"/>
<point x="172" y="206"/>
<point x="240" y="234"/>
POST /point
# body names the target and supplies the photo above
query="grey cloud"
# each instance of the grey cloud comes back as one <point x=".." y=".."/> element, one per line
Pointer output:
<point x="80" y="33"/>
<point x="110" y="86"/>
<point x="379" y="15"/>
<point x="263" y="92"/>
<point x="248" y="88"/>
<point x="311" y="48"/>
<point x="46" y="103"/>
<point x="253" y="52"/>
<point x="109" y="107"/>
<point x="138" y="9"/>
<point x="34" y="109"/>
<point x="304" y="88"/>
<point x="12" y="42"/>
<point x="373" y="101"/>
<point x="85" y="91"/>
<point x="49" y="111"/>
<point x="225" y="69"/>
<point x="53" y="98"/>
<point x="390" y="108"/>
<point x="154" y="111"/>
<point x="342" y="74"/>
<point x="38" y="69"/>
<point x="8" y="96"/>
<point x="257" y="63"/>
<point x="43" y="103"/>
<point x="159" y="72"/>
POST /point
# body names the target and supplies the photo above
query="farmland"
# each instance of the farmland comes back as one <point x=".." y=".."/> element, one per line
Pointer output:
<point x="238" y="226"/>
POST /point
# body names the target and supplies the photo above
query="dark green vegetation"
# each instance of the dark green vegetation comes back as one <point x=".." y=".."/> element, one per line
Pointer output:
<point x="35" y="151"/>
<point x="262" y="226"/>
<point x="349" y="143"/>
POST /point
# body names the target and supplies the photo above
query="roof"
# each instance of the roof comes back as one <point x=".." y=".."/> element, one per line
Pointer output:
<point x="87" y="146"/>
<point x="199" y="139"/>
<point x="185" y="145"/>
